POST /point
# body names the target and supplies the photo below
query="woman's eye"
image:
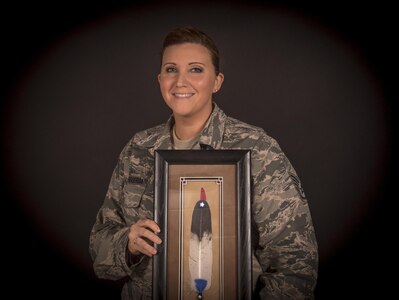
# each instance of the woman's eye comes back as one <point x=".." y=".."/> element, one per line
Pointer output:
<point x="196" y="70"/>
<point x="170" y="70"/>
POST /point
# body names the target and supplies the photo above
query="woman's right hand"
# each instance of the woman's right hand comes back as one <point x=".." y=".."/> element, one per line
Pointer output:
<point x="141" y="234"/>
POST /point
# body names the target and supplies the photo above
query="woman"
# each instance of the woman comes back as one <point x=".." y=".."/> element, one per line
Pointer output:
<point x="285" y="255"/>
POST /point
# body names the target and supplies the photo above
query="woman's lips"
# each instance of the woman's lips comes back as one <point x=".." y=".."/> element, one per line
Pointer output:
<point x="182" y="95"/>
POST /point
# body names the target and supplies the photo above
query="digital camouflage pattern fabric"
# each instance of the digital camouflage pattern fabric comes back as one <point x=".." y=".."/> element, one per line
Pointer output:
<point x="285" y="249"/>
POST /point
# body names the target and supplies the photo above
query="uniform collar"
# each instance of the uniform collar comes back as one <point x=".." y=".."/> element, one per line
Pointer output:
<point x="212" y="135"/>
<point x="210" y="138"/>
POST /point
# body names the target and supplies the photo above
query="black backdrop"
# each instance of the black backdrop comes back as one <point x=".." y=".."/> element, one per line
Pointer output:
<point x="80" y="79"/>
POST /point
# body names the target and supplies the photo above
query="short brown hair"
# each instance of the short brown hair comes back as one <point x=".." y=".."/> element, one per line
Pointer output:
<point x="183" y="35"/>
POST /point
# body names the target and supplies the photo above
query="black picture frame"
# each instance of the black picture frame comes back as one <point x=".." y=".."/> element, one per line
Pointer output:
<point x="207" y="161"/>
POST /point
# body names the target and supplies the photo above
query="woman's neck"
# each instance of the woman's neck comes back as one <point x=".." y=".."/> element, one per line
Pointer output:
<point x="187" y="128"/>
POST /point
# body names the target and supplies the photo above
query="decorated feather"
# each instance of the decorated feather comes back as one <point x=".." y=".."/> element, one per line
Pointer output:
<point x="200" y="259"/>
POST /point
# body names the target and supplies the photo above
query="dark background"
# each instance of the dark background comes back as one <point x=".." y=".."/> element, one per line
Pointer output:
<point x="80" y="79"/>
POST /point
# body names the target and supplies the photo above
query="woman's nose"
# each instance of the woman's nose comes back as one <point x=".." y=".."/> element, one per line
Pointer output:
<point x="181" y="80"/>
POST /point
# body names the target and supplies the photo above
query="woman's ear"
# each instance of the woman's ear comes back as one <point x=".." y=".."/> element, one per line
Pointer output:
<point x="218" y="82"/>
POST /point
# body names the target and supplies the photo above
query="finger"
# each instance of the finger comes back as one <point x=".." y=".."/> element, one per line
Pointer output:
<point x="132" y="237"/>
<point x="149" y="224"/>
<point x="144" y="247"/>
<point x="146" y="235"/>
<point x="140" y="239"/>
<point x="149" y="235"/>
<point x="135" y="248"/>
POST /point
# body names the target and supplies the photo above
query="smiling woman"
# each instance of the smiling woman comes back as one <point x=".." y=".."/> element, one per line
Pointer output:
<point x="187" y="80"/>
<point x="122" y="239"/>
<point x="75" y="91"/>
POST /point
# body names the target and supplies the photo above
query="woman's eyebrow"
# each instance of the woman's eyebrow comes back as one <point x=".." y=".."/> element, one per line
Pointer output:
<point x="169" y="63"/>
<point x="196" y="63"/>
<point x="191" y="63"/>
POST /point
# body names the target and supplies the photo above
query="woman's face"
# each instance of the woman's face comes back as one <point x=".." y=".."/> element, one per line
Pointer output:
<point x="188" y="80"/>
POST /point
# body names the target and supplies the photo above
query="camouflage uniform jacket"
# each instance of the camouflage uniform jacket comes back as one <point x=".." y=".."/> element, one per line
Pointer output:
<point x="285" y="248"/>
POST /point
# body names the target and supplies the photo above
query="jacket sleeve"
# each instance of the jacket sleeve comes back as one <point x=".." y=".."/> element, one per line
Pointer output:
<point x="108" y="238"/>
<point x="285" y="245"/>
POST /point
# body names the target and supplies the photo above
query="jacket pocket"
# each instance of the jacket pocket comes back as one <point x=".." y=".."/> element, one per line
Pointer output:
<point x="133" y="192"/>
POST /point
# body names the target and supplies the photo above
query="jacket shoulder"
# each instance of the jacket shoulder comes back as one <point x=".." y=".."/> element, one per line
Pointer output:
<point x="236" y="126"/>
<point x="145" y="136"/>
<point x="143" y="140"/>
<point x="236" y="130"/>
